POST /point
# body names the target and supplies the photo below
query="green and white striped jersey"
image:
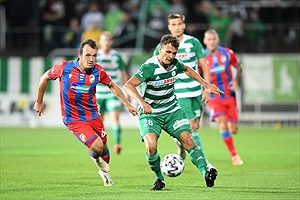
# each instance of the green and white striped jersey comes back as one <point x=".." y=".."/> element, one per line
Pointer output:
<point x="157" y="87"/>
<point x="113" y="64"/>
<point x="189" y="52"/>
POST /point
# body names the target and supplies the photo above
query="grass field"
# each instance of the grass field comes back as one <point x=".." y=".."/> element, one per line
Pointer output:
<point x="52" y="164"/>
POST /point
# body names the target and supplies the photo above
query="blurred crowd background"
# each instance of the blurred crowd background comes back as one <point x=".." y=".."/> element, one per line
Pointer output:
<point x="36" y="27"/>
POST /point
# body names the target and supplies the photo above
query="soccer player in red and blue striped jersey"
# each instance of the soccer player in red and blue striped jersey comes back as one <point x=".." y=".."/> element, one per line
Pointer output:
<point x="78" y="79"/>
<point x="223" y="108"/>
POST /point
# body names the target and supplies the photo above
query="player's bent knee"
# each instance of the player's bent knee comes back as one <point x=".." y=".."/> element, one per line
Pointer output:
<point x="187" y="140"/>
<point x="97" y="146"/>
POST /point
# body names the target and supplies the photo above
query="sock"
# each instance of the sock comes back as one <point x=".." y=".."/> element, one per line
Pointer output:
<point x="105" y="156"/>
<point x="197" y="139"/>
<point x="198" y="159"/>
<point x="116" y="129"/>
<point x="154" y="162"/>
<point x="94" y="157"/>
<point x="228" y="140"/>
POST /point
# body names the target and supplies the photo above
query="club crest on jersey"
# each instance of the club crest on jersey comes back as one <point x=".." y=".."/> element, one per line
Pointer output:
<point x="79" y="88"/>
<point x="92" y="78"/>
<point x="82" y="137"/>
<point x="223" y="59"/>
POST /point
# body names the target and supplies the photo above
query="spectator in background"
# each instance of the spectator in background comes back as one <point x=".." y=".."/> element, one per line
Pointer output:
<point x="53" y="21"/>
<point x="92" y="32"/>
<point x="115" y="19"/>
<point x="18" y="14"/>
<point x="92" y="16"/>
<point x="72" y="37"/>
<point x="197" y="19"/>
<point x="177" y="6"/>
<point x="238" y="15"/>
<point x="156" y="22"/>
<point x="157" y="11"/>
<point x="221" y="23"/>
<point x="255" y="32"/>
<point x="132" y="9"/>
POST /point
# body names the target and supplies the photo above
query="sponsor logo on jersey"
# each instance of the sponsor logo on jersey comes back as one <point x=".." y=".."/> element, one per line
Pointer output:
<point x="181" y="55"/>
<point x="79" y="88"/>
<point x="163" y="82"/>
<point x="187" y="55"/>
<point x="218" y="69"/>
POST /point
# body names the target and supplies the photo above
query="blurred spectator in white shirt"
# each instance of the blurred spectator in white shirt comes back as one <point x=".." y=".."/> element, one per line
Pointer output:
<point x="93" y="14"/>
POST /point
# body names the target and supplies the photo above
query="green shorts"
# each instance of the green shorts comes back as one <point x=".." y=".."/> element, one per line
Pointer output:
<point x="172" y="123"/>
<point x="192" y="106"/>
<point x="109" y="104"/>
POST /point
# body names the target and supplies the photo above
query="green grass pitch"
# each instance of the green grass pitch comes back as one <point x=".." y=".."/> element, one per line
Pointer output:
<point x="41" y="163"/>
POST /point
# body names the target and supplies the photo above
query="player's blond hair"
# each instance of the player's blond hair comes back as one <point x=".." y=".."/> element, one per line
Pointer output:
<point x="176" y="16"/>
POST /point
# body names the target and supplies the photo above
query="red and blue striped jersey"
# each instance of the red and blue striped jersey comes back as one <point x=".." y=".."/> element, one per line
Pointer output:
<point x="77" y="90"/>
<point x="220" y="67"/>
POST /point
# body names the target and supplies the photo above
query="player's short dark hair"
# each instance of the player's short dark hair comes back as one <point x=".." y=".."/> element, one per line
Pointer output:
<point x="169" y="39"/>
<point x="176" y="16"/>
<point x="92" y="43"/>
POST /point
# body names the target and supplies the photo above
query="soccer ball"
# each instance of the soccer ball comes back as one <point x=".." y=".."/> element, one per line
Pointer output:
<point x="172" y="165"/>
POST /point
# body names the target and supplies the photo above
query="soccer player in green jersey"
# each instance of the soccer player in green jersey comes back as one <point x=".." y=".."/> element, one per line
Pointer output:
<point x="159" y="109"/>
<point x="189" y="92"/>
<point x="113" y="64"/>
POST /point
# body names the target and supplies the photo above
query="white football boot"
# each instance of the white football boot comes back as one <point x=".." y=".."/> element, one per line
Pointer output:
<point x="107" y="181"/>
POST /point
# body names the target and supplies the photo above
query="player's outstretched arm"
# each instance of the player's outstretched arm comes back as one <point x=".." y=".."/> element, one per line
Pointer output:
<point x="39" y="105"/>
<point x="209" y="87"/>
<point x="116" y="90"/>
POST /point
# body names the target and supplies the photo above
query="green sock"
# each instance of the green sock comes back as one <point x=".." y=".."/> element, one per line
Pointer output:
<point x="116" y="129"/>
<point x="197" y="139"/>
<point x="154" y="162"/>
<point x="198" y="159"/>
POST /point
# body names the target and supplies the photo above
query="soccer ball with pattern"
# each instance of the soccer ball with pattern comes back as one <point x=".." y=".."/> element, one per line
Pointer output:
<point x="172" y="165"/>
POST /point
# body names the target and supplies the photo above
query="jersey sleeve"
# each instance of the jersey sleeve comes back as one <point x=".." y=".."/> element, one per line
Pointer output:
<point x="179" y="64"/>
<point x="121" y="63"/>
<point x="57" y="70"/>
<point x="199" y="49"/>
<point x="144" y="73"/>
<point x="233" y="59"/>
<point x="104" y="78"/>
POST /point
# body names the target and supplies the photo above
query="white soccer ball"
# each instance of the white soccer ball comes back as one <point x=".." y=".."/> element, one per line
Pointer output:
<point x="172" y="165"/>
